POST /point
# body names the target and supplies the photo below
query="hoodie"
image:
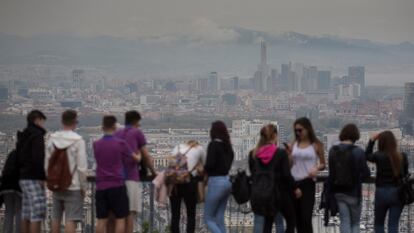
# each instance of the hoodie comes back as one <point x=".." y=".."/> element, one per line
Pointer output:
<point x="76" y="152"/>
<point x="31" y="153"/>
<point x="266" y="153"/>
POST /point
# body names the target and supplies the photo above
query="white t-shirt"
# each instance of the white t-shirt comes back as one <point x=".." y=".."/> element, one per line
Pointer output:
<point x="194" y="155"/>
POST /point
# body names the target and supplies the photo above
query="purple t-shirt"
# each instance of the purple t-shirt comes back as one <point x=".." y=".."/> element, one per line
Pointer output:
<point x="135" y="140"/>
<point x="110" y="153"/>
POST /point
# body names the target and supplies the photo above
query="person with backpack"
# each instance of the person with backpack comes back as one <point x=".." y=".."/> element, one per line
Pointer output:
<point x="347" y="170"/>
<point x="31" y="159"/>
<point x="66" y="167"/>
<point x="11" y="193"/>
<point x="111" y="193"/>
<point x="219" y="159"/>
<point x="272" y="185"/>
<point x="307" y="159"/>
<point x="392" y="167"/>
<point x="135" y="139"/>
<point x="187" y="191"/>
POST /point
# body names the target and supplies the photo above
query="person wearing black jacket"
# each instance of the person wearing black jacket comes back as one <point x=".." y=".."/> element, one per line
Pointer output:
<point x="349" y="199"/>
<point x="392" y="166"/>
<point x="32" y="172"/>
<point x="11" y="193"/>
<point x="267" y="155"/>
<point x="219" y="159"/>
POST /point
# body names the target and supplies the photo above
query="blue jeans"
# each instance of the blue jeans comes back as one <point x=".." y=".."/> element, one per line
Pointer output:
<point x="259" y="222"/>
<point x="349" y="212"/>
<point x="387" y="200"/>
<point x="218" y="193"/>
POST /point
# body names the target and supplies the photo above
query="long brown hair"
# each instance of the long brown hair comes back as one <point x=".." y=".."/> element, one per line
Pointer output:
<point x="387" y="143"/>
<point x="267" y="133"/>
<point x="306" y="123"/>
<point x="219" y="131"/>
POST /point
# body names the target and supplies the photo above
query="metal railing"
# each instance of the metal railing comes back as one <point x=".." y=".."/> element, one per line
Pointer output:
<point x="238" y="218"/>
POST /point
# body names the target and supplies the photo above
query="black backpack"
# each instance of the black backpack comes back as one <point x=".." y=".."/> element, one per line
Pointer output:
<point x="342" y="168"/>
<point x="240" y="187"/>
<point x="265" y="194"/>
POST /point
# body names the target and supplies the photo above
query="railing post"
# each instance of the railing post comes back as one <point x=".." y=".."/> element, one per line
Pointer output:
<point x="93" y="206"/>
<point x="151" y="207"/>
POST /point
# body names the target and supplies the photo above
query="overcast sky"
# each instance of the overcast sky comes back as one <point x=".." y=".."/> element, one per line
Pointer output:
<point x="378" y="20"/>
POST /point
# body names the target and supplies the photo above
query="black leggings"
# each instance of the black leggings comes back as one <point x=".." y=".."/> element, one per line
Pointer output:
<point x="304" y="206"/>
<point x="288" y="212"/>
<point x="188" y="193"/>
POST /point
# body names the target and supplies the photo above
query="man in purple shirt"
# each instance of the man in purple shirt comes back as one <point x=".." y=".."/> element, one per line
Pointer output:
<point x="137" y="142"/>
<point x="111" y="193"/>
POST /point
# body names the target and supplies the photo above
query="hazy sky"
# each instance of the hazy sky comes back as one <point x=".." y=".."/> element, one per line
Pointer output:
<point x="378" y="20"/>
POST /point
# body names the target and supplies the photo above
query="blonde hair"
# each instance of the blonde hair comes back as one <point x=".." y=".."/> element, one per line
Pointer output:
<point x="267" y="134"/>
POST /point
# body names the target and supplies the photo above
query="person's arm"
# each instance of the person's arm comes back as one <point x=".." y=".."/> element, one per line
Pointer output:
<point x="330" y="165"/>
<point x="251" y="163"/>
<point x="321" y="155"/>
<point x="289" y="149"/>
<point x="211" y="158"/>
<point x="38" y="151"/>
<point x="147" y="159"/>
<point x="287" y="175"/>
<point x="365" y="172"/>
<point x="320" y="166"/>
<point x="48" y="153"/>
<point x="405" y="160"/>
<point x="82" y="165"/>
<point x="369" y="155"/>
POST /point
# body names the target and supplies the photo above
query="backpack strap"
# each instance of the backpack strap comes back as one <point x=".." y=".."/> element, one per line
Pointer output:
<point x="67" y="155"/>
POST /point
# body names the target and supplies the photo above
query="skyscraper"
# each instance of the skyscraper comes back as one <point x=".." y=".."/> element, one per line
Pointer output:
<point x="213" y="83"/>
<point x="284" y="76"/>
<point x="272" y="82"/>
<point x="4" y="93"/>
<point x="356" y="74"/>
<point x="409" y="100"/>
<point x="77" y="78"/>
<point x="235" y="83"/>
<point x="262" y="73"/>
<point x="324" y="80"/>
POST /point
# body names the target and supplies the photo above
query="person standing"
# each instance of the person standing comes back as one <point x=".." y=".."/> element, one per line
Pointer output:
<point x="307" y="158"/>
<point x="70" y="200"/>
<point x="392" y="166"/>
<point x="187" y="192"/>
<point x="31" y="159"/>
<point x="268" y="159"/>
<point x="346" y="185"/>
<point x="11" y="193"/>
<point x="136" y="141"/>
<point x="111" y="193"/>
<point x="218" y="163"/>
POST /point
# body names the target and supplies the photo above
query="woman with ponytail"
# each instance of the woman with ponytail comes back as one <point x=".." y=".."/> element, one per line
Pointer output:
<point x="392" y="166"/>
<point x="266" y="157"/>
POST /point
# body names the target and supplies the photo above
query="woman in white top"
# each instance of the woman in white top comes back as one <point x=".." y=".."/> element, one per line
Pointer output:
<point x="188" y="192"/>
<point x="307" y="158"/>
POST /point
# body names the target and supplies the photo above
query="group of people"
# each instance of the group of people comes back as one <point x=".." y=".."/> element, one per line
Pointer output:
<point x="31" y="168"/>
<point x="297" y="166"/>
<point x="121" y="157"/>
<point x="294" y="169"/>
